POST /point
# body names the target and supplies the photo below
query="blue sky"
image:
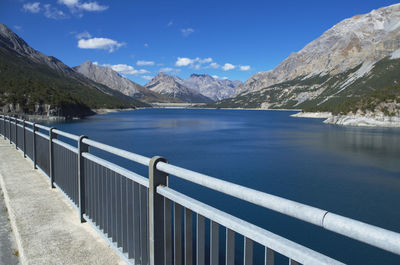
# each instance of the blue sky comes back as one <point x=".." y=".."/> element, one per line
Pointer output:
<point x="233" y="39"/>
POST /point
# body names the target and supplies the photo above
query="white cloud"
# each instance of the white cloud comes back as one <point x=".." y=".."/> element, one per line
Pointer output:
<point x="147" y="77"/>
<point x="228" y="67"/>
<point x="245" y="67"/>
<point x="183" y="61"/>
<point x="214" y="65"/>
<point x="170" y="23"/>
<point x="146" y="45"/>
<point x="100" y="43"/>
<point x="126" y="69"/>
<point x="69" y="3"/>
<point x="196" y="63"/>
<point x="92" y="6"/>
<point x="53" y="13"/>
<point x="95" y="63"/>
<point x="144" y="63"/>
<point x="31" y="7"/>
<point x="166" y="69"/>
<point x="221" y="78"/>
<point x="186" y="32"/>
<point x="17" y="27"/>
<point x="75" y="5"/>
<point x="83" y="35"/>
<point x="205" y="60"/>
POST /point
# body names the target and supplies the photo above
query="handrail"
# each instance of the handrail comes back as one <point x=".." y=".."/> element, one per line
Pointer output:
<point x="369" y="234"/>
<point x="120" y="170"/>
<point x="43" y="127"/>
<point x="65" y="134"/>
<point x="297" y="210"/>
<point x="282" y="245"/>
<point x="42" y="135"/>
<point x="119" y="152"/>
<point x="345" y="226"/>
<point x="65" y="145"/>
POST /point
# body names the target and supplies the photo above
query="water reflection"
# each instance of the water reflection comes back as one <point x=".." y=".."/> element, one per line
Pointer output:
<point x="376" y="147"/>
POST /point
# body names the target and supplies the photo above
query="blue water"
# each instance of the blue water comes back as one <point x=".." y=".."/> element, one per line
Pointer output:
<point x="350" y="171"/>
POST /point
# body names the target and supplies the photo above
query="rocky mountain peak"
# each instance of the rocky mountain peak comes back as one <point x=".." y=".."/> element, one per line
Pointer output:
<point x="201" y="76"/>
<point x="11" y="41"/>
<point x="362" y="39"/>
<point x="196" y="84"/>
<point x="173" y="86"/>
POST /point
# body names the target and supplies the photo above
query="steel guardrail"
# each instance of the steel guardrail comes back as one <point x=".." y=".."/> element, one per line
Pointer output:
<point x="157" y="184"/>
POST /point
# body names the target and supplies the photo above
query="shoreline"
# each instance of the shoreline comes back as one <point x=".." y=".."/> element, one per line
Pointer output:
<point x="312" y="115"/>
<point x="105" y="111"/>
<point x="377" y="121"/>
<point x="365" y="121"/>
<point x="53" y="119"/>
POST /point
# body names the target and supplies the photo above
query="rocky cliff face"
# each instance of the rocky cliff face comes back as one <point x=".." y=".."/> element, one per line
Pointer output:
<point x="11" y="41"/>
<point x="360" y="40"/>
<point x="211" y="87"/>
<point x="48" y="86"/>
<point x="110" y="78"/>
<point x="173" y="86"/>
<point x="357" y="59"/>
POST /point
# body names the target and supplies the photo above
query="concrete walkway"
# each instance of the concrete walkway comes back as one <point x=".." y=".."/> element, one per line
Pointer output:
<point x="8" y="247"/>
<point x="46" y="226"/>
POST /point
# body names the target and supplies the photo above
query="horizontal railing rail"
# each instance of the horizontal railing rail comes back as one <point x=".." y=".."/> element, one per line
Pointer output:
<point x="141" y="216"/>
<point x="255" y="233"/>
<point x="360" y="231"/>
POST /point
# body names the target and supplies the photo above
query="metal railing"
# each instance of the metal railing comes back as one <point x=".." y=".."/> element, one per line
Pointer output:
<point x="141" y="217"/>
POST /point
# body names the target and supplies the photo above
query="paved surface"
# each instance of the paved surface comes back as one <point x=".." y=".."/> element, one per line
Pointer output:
<point x="8" y="246"/>
<point x="46" y="226"/>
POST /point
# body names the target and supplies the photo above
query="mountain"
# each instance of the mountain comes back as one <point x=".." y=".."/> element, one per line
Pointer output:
<point x="355" y="58"/>
<point x="172" y="86"/>
<point x="112" y="79"/>
<point x="32" y="82"/>
<point x="211" y="87"/>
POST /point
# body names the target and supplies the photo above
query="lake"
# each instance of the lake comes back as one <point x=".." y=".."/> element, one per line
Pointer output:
<point x="350" y="171"/>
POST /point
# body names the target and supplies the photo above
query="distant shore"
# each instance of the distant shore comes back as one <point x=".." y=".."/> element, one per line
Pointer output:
<point x="353" y="120"/>
<point x="313" y="115"/>
<point x="105" y="111"/>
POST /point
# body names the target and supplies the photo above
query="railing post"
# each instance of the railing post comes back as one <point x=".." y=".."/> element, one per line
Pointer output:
<point x="4" y="127"/>
<point x="16" y="133"/>
<point x="34" y="144"/>
<point x="82" y="147"/>
<point x="156" y="212"/>
<point x="9" y="129"/>
<point x="52" y="136"/>
<point x="24" y="145"/>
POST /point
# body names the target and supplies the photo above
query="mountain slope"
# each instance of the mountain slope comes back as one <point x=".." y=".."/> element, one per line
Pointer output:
<point x="354" y="58"/>
<point x="112" y="79"/>
<point x="211" y="87"/>
<point x="323" y="93"/>
<point x="31" y="80"/>
<point x="173" y="87"/>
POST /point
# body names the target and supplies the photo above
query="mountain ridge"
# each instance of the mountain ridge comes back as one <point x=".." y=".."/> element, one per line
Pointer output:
<point x="208" y="87"/>
<point x="357" y="58"/>
<point x="32" y="82"/>
<point x="112" y="79"/>
<point x="353" y="41"/>
<point x="172" y="86"/>
<point x="211" y="87"/>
